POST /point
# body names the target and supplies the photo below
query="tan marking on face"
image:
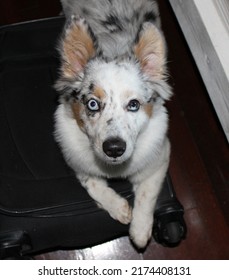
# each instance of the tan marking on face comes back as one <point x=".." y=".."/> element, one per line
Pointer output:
<point x="78" y="48"/>
<point x="77" y="108"/>
<point x="128" y="94"/>
<point x="148" y="108"/>
<point x="99" y="93"/>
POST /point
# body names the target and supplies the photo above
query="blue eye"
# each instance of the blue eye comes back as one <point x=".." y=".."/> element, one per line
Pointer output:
<point x="93" y="105"/>
<point x="133" y="105"/>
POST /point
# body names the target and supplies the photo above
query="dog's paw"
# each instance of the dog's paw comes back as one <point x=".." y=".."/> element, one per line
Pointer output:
<point x="140" y="233"/>
<point x="121" y="211"/>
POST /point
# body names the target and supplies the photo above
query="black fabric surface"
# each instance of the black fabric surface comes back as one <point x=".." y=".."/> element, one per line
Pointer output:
<point x="39" y="195"/>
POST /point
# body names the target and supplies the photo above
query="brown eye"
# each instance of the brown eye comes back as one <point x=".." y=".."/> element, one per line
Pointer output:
<point x="133" y="105"/>
<point x="93" y="105"/>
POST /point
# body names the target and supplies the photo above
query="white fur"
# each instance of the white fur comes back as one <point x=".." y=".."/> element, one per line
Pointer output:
<point x="144" y="165"/>
<point x="136" y="76"/>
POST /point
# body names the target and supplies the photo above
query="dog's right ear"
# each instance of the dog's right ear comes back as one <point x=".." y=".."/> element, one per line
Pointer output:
<point x="151" y="52"/>
<point x="76" y="48"/>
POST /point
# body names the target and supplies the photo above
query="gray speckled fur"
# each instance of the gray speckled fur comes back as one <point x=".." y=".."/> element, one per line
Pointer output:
<point x="115" y="23"/>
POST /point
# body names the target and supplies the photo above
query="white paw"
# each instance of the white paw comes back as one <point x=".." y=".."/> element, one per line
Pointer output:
<point x="140" y="232"/>
<point x="121" y="211"/>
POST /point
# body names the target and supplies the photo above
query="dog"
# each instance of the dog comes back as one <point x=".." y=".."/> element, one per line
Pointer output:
<point x="111" y="121"/>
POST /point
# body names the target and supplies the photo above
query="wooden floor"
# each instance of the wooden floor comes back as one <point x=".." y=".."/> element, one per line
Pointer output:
<point x="199" y="167"/>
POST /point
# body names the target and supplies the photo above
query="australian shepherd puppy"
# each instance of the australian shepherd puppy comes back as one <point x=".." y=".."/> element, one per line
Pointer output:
<point x="111" y="121"/>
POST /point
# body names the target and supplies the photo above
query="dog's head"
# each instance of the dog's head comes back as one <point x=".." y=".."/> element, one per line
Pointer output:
<point x="112" y="100"/>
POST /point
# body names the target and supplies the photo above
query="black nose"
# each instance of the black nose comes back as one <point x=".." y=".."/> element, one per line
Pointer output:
<point x="114" y="147"/>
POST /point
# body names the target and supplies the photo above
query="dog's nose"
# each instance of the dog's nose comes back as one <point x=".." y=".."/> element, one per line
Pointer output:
<point x="114" y="147"/>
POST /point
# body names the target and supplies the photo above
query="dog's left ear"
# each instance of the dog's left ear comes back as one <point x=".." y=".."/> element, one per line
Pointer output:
<point x="76" y="48"/>
<point x="150" y="51"/>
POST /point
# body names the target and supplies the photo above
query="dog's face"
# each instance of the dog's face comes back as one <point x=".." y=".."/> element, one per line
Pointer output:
<point x="114" y="106"/>
<point x="112" y="101"/>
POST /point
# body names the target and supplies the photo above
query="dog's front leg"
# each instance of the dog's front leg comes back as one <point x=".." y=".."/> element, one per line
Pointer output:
<point x="146" y="193"/>
<point x="107" y="198"/>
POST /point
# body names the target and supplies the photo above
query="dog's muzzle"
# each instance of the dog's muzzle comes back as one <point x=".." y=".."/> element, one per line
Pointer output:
<point x="114" y="147"/>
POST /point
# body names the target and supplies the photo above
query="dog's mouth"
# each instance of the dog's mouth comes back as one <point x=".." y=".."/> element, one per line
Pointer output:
<point x="114" y="161"/>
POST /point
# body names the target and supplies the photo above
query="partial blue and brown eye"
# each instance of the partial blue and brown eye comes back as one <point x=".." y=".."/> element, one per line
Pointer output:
<point x="93" y="105"/>
<point x="133" y="105"/>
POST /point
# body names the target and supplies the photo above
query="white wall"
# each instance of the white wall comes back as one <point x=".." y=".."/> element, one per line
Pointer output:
<point x="205" y="24"/>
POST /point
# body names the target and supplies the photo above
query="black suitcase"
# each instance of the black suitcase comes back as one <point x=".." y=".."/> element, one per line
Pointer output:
<point x="42" y="205"/>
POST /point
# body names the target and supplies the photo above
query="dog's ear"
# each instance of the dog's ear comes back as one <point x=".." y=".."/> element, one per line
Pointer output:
<point x="76" y="48"/>
<point x="150" y="51"/>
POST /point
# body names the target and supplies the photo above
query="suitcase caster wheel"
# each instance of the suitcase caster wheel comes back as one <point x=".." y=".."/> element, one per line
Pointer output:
<point x="170" y="229"/>
<point x="173" y="233"/>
